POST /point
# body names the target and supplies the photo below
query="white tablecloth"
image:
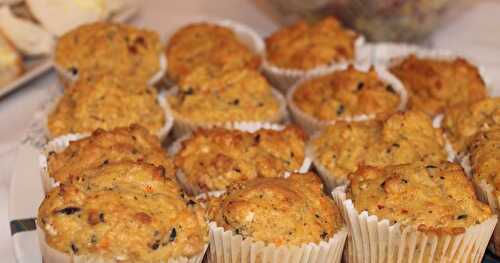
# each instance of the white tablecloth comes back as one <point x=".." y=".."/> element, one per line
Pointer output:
<point x="476" y="34"/>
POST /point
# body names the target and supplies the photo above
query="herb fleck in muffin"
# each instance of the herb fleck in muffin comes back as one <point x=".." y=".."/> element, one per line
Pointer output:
<point x="433" y="85"/>
<point x="463" y="121"/>
<point x="344" y="94"/>
<point x="213" y="159"/>
<point x="403" y="138"/>
<point x="306" y="46"/>
<point x="132" y="143"/>
<point x="436" y="198"/>
<point x="106" y="103"/>
<point x="279" y="211"/>
<point x="123" y="212"/>
<point x="107" y="48"/>
<point x="202" y="51"/>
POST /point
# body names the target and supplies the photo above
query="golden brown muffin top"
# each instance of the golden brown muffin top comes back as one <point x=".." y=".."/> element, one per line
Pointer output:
<point x="240" y="95"/>
<point x="132" y="143"/>
<point x="485" y="157"/>
<point x="403" y="138"/>
<point x="108" y="48"/>
<point x="433" y="85"/>
<point x="281" y="211"/>
<point x="106" y="103"/>
<point x="434" y="198"/>
<point x="463" y="121"/>
<point x="208" y="49"/>
<point x="123" y="211"/>
<point x="213" y="159"/>
<point x="346" y="93"/>
<point x="306" y="46"/>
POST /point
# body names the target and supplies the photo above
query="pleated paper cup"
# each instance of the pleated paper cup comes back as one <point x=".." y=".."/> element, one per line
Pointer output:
<point x="176" y="146"/>
<point x="486" y="193"/>
<point x="183" y="125"/>
<point x="311" y="124"/>
<point x="284" y="79"/>
<point x="377" y="240"/>
<point x="227" y="247"/>
<point x="52" y="255"/>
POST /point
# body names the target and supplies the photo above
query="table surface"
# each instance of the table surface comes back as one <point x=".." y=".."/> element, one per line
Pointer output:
<point x="475" y="34"/>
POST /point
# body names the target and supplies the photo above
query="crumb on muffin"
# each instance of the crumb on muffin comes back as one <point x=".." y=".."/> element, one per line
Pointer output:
<point x="124" y="211"/>
<point x="202" y="50"/>
<point x="213" y="159"/>
<point x="132" y="143"/>
<point x="403" y="138"/>
<point x="306" y="46"/>
<point x="106" y="103"/>
<point x="346" y="93"/>
<point x="433" y="85"/>
<point x="435" y="198"/>
<point x="279" y="211"/>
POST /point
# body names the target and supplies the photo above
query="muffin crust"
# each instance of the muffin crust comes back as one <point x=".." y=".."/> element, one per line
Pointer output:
<point x="485" y="157"/>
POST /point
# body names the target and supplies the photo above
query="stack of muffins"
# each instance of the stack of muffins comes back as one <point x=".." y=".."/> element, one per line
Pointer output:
<point x="389" y="137"/>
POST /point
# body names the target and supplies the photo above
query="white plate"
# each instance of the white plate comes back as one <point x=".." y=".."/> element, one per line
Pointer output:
<point x="36" y="67"/>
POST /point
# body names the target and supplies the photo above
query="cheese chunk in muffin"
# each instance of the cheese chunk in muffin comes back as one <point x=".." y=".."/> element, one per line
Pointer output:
<point x="403" y="138"/>
<point x="107" y="48"/>
<point x="344" y="94"/>
<point x="463" y="121"/>
<point x="132" y="143"/>
<point x="213" y="159"/>
<point x="433" y="85"/>
<point x="240" y="95"/>
<point x="106" y="103"/>
<point x="435" y="198"/>
<point x="124" y="212"/>
<point x="306" y="46"/>
<point x="280" y="211"/>
<point x="202" y="51"/>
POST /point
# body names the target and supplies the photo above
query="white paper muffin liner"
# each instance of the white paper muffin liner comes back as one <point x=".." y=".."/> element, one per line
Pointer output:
<point x="176" y="146"/>
<point x="284" y="79"/>
<point x="68" y="78"/>
<point x="184" y="126"/>
<point x="312" y="124"/>
<point x="227" y="247"/>
<point x="377" y="240"/>
<point x="52" y="255"/>
<point x="485" y="192"/>
<point x="162" y="133"/>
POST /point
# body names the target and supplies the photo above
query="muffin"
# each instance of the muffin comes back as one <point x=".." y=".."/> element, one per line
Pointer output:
<point x="484" y="160"/>
<point x="239" y="96"/>
<point x="65" y="157"/>
<point x="436" y="84"/>
<point x="421" y="211"/>
<point x="403" y="138"/>
<point x="201" y="51"/>
<point x="211" y="160"/>
<point x="285" y="216"/>
<point x="127" y="211"/>
<point x="108" y="48"/>
<point x="11" y="64"/>
<point x="107" y="103"/>
<point x="347" y="94"/>
<point x="463" y="121"/>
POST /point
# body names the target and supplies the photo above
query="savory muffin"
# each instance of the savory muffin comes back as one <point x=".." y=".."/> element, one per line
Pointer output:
<point x="433" y="84"/>
<point x="403" y="138"/>
<point x="436" y="198"/>
<point x="239" y="95"/>
<point x="306" y="46"/>
<point x="201" y="51"/>
<point x="280" y="211"/>
<point x="123" y="212"/>
<point x="11" y="64"/>
<point x="132" y="143"/>
<point x="485" y="157"/>
<point x="344" y="94"/>
<point x="106" y="103"/>
<point x="213" y="159"/>
<point x="463" y="121"/>
<point x="107" y="48"/>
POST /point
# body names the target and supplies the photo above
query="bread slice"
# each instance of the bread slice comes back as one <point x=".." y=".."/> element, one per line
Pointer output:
<point x="11" y="65"/>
